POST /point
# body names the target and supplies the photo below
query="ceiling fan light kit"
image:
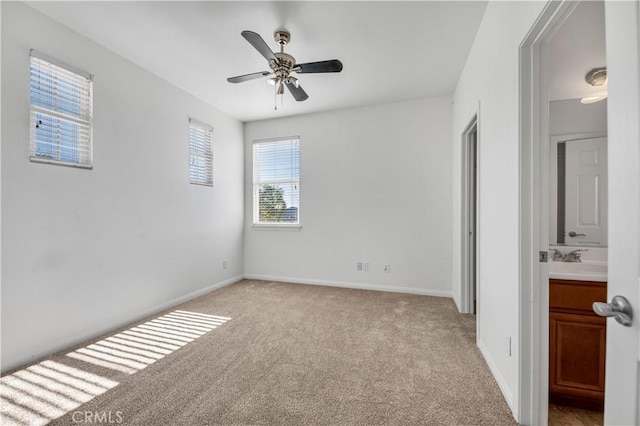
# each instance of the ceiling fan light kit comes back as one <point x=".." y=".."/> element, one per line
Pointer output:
<point x="283" y="65"/>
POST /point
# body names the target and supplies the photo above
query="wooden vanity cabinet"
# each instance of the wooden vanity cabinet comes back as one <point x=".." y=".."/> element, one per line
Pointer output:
<point x="577" y="343"/>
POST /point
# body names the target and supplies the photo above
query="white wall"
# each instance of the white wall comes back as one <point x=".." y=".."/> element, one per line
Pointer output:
<point x="85" y="251"/>
<point x="570" y="117"/>
<point x="489" y="83"/>
<point x="375" y="187"/>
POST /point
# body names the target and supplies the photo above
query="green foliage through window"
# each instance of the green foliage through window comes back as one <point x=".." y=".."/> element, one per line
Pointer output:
<point x="276" y="181"/>
<point x="272" y="205"/>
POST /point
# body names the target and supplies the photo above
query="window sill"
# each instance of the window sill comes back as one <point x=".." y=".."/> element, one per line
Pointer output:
<point x="210" y="185"/>
<point x="60" y="163"/>
<point x="276" y="227"/>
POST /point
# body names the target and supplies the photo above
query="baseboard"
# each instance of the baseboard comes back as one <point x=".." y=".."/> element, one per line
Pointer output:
<point x="344" y="284"/>
<point x="502" y="384"/>
<point x="458" y="302"/>
<point x="91" y="334"/>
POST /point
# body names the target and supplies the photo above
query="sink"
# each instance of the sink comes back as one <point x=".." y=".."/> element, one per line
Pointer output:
<point x="579" y="271"/>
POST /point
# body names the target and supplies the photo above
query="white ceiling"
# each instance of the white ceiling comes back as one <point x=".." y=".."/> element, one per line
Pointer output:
<point x="576" y="48"/>
<point x="390" y="50"/>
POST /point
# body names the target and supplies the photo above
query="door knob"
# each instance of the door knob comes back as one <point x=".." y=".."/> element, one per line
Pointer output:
<point x="619" y="308"/>
<point x="574" y="234"/>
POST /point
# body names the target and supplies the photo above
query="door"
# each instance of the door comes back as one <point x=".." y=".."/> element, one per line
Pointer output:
<point x="586" y="191"/>
<point x="622" y="397"/>
<point x="473" y="196"/>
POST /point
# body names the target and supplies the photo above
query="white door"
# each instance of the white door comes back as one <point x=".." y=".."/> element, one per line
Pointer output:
<point x="586" y="191"/>
<point x="622" y="394"/>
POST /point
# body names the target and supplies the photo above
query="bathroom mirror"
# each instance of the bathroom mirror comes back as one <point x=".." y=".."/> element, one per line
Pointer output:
<point x="578" y="174"/>
<point x="579" y="188"/>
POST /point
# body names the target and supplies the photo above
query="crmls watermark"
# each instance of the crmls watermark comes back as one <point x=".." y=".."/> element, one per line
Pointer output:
<point x="97" y="417"/>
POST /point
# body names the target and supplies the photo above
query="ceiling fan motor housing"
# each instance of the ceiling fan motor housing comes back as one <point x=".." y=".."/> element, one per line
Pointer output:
<point x="284" y="66"/>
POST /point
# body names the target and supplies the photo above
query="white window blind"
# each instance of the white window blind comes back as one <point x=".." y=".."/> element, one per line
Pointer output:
<point x="61" y="99"/>
<point x="276" y="181"/>
<point x="200" y="153"/>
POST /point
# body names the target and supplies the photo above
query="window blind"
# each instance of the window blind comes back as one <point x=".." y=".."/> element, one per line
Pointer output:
<point x="200" y="153"/>
<point x="276" y="181"/>
<point x="61" y="99"/>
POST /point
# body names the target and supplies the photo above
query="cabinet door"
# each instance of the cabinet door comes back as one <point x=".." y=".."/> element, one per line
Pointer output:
<point x="577" y="355"/>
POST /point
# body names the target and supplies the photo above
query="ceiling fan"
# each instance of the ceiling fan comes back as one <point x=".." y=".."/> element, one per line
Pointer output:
<point x="283" y="65"/>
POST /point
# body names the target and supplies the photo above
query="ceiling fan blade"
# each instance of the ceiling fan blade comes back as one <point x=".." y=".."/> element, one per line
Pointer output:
<point x="333" y="65"/>
<point x="260" y="45"/>
<point x="246" y="77"/>
<point x="298" y="92"/>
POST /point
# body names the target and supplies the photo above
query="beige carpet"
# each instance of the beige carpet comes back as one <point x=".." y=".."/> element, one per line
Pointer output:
<point x="272" y="353"/>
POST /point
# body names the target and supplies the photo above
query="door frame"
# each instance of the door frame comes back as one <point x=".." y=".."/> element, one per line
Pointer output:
<point x="533" y="364"/>
<point x="466" y="295"/>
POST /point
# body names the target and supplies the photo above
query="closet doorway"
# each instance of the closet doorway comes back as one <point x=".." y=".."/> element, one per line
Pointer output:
<point x="470" y="218"/>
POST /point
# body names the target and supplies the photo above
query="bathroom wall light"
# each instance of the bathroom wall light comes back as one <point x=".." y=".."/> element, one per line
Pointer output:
<point x="597" y="77"/>
<point x="592" y="99"/>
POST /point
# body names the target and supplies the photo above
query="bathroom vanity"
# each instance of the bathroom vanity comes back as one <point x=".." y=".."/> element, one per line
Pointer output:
<point x="577" y="336"/>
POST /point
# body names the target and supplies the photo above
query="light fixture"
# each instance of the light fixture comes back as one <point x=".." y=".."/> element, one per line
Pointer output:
<point x="278" y="82"/>
<point x="597" y="77"/>
<point x="292" y="80"/>
<point x="592" y="99"/>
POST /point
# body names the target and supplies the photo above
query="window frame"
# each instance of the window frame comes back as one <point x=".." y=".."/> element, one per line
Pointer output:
<point x="206" y="154"/>
<point x="256" y="223"/>
<point x="58" y="115"/>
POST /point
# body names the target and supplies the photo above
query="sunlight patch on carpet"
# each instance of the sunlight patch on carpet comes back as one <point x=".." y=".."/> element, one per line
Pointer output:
<point x="48" y="390"/>
<point x="142" y="345"/>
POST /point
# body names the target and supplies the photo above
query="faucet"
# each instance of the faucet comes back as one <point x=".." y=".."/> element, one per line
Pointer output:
<point x="557" y="255"/>
<point x="574" y="256"/>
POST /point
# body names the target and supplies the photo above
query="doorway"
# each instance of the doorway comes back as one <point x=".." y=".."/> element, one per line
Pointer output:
<point x="621" y="401"/>
<point x="577" y="197"/>
<point x="470" y="217"/>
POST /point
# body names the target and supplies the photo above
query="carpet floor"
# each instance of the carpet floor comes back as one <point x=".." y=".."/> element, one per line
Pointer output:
<point x="259" y="352"/>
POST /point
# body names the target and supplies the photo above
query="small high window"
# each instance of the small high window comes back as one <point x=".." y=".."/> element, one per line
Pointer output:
<point x="61" y="99"/>
<point x="200" y="153"/>
<point x="276" y="181"/>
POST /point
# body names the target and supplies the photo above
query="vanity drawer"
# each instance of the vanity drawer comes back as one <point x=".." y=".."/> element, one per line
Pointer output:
<point x="576" y="295"/>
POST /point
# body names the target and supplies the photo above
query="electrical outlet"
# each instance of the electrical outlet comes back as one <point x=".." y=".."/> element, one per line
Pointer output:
<point x="359" y="266"/>
<point x="225" y="264"/>
<point x="387" y="267"/>
<point x="365" y="266"/>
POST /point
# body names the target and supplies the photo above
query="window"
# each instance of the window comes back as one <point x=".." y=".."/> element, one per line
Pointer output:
<point x="200" y="153"/>
<point x="276" y="181"/>
<point x="61" y="99"/>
